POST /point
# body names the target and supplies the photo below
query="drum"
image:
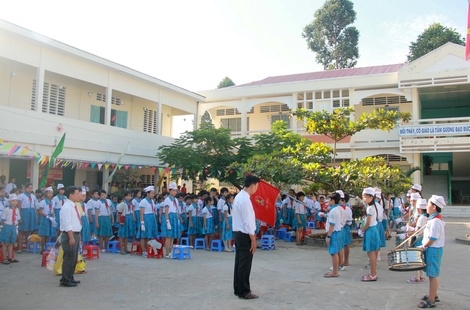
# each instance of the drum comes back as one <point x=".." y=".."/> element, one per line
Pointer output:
<point x="406" y="259"/>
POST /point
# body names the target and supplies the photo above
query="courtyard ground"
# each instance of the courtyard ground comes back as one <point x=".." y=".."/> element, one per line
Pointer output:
<point x="289" y="277"/>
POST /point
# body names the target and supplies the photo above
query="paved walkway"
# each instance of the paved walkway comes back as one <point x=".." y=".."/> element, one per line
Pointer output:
<point x="289" y="277"/>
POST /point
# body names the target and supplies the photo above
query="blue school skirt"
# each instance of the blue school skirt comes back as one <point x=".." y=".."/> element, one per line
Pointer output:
<point x="227" y="233"/>
<point x="347" y="239"/>
<point x="45" y="228"/>
<point x="336" y="242"/>
<point x="86" y="233"/>
<point x="8" y="234"/>
<point x="290" y="216"/>
<point x="174" y="232"/>
<point x="137" y="219"/>
<point x="433" y="261"/>
<point x="28" y="217"/>
<point x="195" y="229"/>
<point x="105" y="229"/>
<point x="57" y="216"/>
<point x="215" y="218"/>
<point x="371" y="241"/>
<point x="380" y="229"/>
<point x="150" y="223"/>
<point x="295" y="222"/>
<point x="210" y="227"/>
<point x="128" y="229"/>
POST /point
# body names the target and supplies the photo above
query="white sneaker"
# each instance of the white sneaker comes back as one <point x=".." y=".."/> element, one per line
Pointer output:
<point x="144" y="254"/>
<point x="340" y="268"/>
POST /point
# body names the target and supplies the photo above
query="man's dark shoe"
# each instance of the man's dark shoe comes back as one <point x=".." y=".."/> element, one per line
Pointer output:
<point x="75" y="281"/>
<point x="68" y="284"/>
<point x="249" y="296"/>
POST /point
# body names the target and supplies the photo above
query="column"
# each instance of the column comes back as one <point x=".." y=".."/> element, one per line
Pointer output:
<point x="105" y="179"/>
<point x="39" y="87"/>
<point x="293" y="107"/>
<point x="159" y="115"/>
<point x="35" y="177"/>
<point x="242" y="109"/>
<point x="109" y="96"/>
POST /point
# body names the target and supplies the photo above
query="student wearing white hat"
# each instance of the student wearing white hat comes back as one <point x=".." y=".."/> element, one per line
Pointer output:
<point x="148" y="223"/>
<point x="10" y="219"/>
<point x="59" y="201"/>
<point x="433" y="243"/>
<point x="418" y="239"/>
<point x="47" y="223"/>
<point x="371" y="241"/>
<point x="170" y="227"/>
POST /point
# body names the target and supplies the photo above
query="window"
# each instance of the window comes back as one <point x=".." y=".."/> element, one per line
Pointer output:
<point x="53" y="99"/>
<point x="234" y="124"/>
<point x="150" y="121"/>
<point x="281" y="117"/>
<point x="384" y="100"/>
<point x="118" y="118"/>
<point x="148" y="179"/>
<point x="114" y="100"/>
<point x="274" y="108"/>
<point x="224" y="112"/>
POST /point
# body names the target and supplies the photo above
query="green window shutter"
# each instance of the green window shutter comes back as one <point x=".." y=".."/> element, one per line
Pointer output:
<point x="95" y="114"/>
<point x="121" y="119"/>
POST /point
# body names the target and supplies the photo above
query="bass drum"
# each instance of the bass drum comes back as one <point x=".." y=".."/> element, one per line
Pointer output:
<point x="410" y="259"/>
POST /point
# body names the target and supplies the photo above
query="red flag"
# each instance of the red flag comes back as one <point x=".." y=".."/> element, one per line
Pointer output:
<point x="467" y="45"/>
<point x="264" y="201"/>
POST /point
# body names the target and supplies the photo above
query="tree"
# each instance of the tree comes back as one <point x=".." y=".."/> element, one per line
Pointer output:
<point x="226" y="82"/>
<point x="337" y="125"/>
<point x="331" y="37"/>
<point x="433" y="37"/>
<point x="206" y="153"/>
<point x="206" y="118"/>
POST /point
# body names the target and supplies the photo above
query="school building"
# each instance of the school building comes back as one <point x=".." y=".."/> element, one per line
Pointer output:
<point x="112" y="115"/>
<point x="115" y="116"/>
<point x="434" y="88"/>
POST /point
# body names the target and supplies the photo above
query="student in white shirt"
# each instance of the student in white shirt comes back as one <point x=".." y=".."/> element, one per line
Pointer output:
<point x="28" y="206"/>
<point x="244" y="226"/>
<point x="10" y="219"/>
<point x="104" y="220"/>
<point x="47" y="224"/>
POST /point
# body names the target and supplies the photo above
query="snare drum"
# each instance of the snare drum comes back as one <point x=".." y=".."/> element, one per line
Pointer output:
<point x="406" y="259"/>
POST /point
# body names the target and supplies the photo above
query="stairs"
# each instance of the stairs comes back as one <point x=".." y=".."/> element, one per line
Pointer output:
<point x="456" y="211"/>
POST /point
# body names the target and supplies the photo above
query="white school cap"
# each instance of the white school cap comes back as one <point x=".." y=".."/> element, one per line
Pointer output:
<point x="438" y="201"/>
<point x="49" y="189"/>
<point x="378" y="191"/>
<point x="13" y="197"/>
<point x="368" y="191"/>
<point x="172" y="186"/>
<point x="417" y="187"/>
<point x="149" y="189"/>
<point x="60" y="185"/>
<point x="341" y="193"/>
<point x="415" y="196"/>
<point x="421" y="203"/>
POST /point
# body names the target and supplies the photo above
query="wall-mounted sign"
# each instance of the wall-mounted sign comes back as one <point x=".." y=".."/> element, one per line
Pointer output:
<point x="435" y="130"/>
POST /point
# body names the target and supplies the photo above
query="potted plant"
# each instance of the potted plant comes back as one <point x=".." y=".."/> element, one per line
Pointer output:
<point x="428" y="161"/>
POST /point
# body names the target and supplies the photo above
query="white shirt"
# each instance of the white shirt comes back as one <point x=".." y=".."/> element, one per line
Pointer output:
<point x="348" y="213"/>
<point x="373" y="215"/>
<point x="225" y="208"/>
<point x="148" y="206"/>
<point x="288" y="202"/>
<point x="435" y="231"/>
<point x="299" y="208"/>
<point x="3" y="205"/>
<point x="380" y="211"/>
<point x="335" y="218"/>
<point x="422" y="220"/>
<point x="58" y="201"/>
<point x="171" y="203"/>
<point x="124" y="207"/>
<point x="46" y="207"/>
<point x="92" y="204"/>
<point x="136" y="203"/>
<point x="69" y="219"/>
<point x="221" y="203"/>
<point x="207" y="212"/>
<point x="27" y="202"/>
<point x="7" y="216"/>
<point x="243" y="215"/>
<point x="9" y="187"/>
<point x="104" y="207"/>
<point x="193" y="209"/>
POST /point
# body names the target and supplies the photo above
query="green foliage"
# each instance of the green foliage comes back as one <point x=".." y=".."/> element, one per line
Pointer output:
<point x="206" y="118"/>
<point x="226" y="82"/>
<point x="206" y="153"/>
<point x="353" y="176"/>
<point x="337" y="125"/>
<point x="331" y="37"/>
<point x="433" y="37"/>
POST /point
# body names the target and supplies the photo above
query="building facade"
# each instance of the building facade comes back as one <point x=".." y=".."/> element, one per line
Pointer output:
<point x="113" y="116"/>
<point x="435" y="89"/>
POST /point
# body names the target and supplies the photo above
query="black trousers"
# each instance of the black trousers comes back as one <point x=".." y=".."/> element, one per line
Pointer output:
<point x="70" y="257"/>
<point x="243" y="259"/>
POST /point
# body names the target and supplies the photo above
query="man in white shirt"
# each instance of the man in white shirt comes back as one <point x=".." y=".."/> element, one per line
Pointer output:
<point x="244" y="226"/>
<point x="11" y="185"/>
<point x="70" y="226"/>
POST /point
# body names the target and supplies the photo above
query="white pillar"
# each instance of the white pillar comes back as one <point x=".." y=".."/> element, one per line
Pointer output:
<point x="35" y="173"/>
<point x="293" y="107"/>
<point x="109" y="96"/>
<point x="39" y="88"/>
<point x="243" y="109"/>
<point x="159" y="115"/>
<point x="416" y="105"/>
<point x="105" y="179"/>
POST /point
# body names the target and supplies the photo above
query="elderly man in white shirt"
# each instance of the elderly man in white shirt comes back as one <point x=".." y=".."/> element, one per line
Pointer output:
<point x="244" y="226"/>
<point x="70" y="226"/>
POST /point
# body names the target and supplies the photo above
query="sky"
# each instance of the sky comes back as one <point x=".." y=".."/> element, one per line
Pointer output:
<point x="194" y="44"/>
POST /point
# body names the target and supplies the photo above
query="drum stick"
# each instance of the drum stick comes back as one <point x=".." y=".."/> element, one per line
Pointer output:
<point x="406" y="240"/>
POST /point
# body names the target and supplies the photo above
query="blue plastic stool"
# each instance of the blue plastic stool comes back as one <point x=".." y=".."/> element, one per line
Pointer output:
<point x="33" y="247"/>
<point x="184" y="241"/>
<point x="181" y="252"/>
<point x="217" y="245"/>
<point x="49" y="246"/>
<point x="288" y="237"/>
<point x="112" y="247"/>
<point x="200" y="243"/>
<point x="311" y="224"/>
<point x="281" y="232"/>
<point x="267" y="242"/>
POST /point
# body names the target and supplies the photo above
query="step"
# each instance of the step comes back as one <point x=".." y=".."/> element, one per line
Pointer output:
<point x="456" y="211"/>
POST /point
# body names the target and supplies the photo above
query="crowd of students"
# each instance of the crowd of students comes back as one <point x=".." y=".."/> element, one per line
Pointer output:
<point x="142" y="215"/>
